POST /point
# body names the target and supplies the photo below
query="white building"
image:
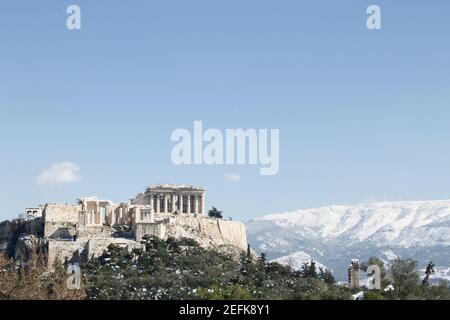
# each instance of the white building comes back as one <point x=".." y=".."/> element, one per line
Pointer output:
<point x="32" y="213"/>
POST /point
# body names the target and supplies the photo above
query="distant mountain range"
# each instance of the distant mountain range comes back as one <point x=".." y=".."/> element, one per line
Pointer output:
<point x="334" y="235"/>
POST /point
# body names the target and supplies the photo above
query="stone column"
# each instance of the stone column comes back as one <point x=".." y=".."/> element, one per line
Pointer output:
<point x="166" y="208"/>
<point x="81" y="220"/>
<point x="97" y="210"/>
<point x="180" y="202"/>
<point x="137" y="215"/>
<point x="196" y="203"/>
<point x="157" y="203"/>
<point x="203" y="204"/>
<point x="174" y="203"/>
<point x="108" y="217"/>
<point x="188" y="204"/>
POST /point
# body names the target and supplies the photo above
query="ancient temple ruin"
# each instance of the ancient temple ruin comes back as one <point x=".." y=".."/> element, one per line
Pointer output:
<point x="173" y="199"/>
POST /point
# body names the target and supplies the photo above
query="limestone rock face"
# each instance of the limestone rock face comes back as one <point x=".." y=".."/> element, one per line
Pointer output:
<point x="208" y="232"/>
<point x="6" y="232"/>
<point x="9" y="229"/>
<point x="26" y="245"/>
<point x="12" y="231"/>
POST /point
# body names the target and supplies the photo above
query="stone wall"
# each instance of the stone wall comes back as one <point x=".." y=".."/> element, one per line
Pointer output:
<point x="96" y="232"/>
<point x="96" y="247"/>
<point x="60" y="218"/>
<point x="150" y="229"/>
<point x="208" y="232"/>
<point x="65" y="250"/>
<point x="80" y="250"/>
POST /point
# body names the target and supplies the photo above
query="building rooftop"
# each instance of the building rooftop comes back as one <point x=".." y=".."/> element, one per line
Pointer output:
<point x="176" y="187"/>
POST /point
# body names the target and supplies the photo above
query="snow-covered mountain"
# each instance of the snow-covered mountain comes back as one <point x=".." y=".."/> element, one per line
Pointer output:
<point x="334" y="235"/>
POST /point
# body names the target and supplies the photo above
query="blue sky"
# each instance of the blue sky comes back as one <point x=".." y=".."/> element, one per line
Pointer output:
<point x="363" y="115"/>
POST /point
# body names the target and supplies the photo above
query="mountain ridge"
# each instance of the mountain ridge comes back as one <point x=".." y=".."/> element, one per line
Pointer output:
<point x="335" y="234"/>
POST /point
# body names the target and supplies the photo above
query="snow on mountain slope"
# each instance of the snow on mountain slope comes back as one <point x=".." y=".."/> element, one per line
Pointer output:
<point x="297" y="259"/>
<point x="335" y="234"/>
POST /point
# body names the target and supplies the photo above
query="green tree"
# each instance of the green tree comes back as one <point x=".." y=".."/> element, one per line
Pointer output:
<point x="326" y="275"/>
<point x="441" y="291"/>
<point x="215" y="213"/>
<point x="309" y="270"/>
<point x="263" y="259"/>
<point x="405" y="278"/>
<point x="428" y="272"/>
<point x="181" y="269"/>
<point x="230" y="292"/>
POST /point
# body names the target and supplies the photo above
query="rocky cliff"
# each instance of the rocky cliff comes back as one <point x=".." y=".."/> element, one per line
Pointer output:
<point x="12" y="231"/>
<point x="210" y="232"/>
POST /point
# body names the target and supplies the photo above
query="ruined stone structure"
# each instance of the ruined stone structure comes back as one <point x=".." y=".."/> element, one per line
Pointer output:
<point x="32" y="213"/>
<point x="353" y="274"/>
<point x="173" y="199"/>
<point x="85" y="229"/>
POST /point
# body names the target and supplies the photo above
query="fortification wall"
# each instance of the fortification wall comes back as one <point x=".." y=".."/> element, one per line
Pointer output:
<point x="150" y="229"/>
<point x="58" y="217"/>
<point x="96" y="247"/>
<point x="209" y="231"/>
<point x="65" y="250"/>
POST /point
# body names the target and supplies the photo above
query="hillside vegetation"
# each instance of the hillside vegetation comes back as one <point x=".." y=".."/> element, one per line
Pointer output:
<point x="181" y="269"/>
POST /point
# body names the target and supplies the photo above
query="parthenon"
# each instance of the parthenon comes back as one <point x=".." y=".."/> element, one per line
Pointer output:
<point x="173" y="199"/>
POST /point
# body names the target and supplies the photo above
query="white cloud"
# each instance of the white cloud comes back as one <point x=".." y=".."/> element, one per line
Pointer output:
<point x="59" y="173"/>
<point x="231" y="177"/>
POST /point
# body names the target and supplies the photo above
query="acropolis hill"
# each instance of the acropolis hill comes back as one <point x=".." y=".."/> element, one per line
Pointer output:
<point x="74" y="233"/>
